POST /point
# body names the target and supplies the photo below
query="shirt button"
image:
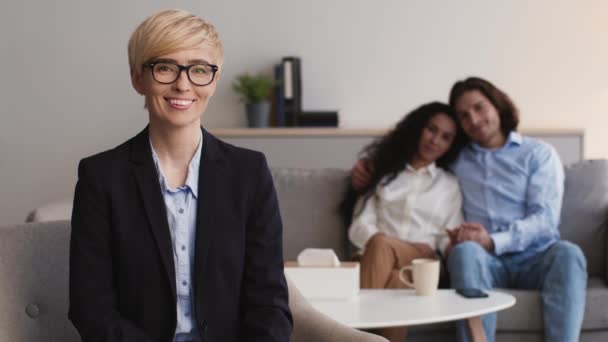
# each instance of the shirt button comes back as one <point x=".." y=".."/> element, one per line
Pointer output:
<point x="183" y="248"/>
<point x="181" y="211"/>
<point x="187" y="314"/>
<point x="184" y="283"/>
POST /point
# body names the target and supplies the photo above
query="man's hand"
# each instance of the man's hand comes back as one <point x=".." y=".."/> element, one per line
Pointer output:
<point x="361" y="173"/>
<point x="474" y="232"/>
<point x="425" y="250"/>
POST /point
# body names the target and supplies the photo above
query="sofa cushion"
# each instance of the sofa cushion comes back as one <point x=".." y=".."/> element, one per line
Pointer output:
<point x="585" y="212"/>
<point x="34" y="283"/>
<point x="308" y="200"/>
<point x="526" y="315"/>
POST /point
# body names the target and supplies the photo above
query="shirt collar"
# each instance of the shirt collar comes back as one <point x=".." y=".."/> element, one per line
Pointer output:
<point x="514" y="139"/>
<point x="193" y="169"/>
<point x="431" y="169"/>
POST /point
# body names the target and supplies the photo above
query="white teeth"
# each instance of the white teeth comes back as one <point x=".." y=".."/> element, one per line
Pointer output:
<point x="180" y="102"/>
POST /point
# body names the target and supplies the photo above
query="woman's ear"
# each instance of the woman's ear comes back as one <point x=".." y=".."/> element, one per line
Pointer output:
<point x="137" y="82"/>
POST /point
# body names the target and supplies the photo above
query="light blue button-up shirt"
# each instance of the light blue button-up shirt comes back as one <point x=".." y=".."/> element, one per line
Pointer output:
<point x="181" y="209"/>
<point x="514" y="191"/>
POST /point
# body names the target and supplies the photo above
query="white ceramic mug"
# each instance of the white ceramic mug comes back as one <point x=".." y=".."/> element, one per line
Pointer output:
<point x="425" y="273"/>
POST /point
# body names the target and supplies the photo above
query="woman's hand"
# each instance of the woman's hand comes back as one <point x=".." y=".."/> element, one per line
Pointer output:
<point x="425" y="250"/>
<point x="453" y="235"/>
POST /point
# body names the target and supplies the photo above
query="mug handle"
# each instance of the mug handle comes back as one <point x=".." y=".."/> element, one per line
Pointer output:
<point x="403" y="279"/>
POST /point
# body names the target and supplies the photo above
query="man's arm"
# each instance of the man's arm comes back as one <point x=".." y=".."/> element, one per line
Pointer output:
<point x="266" y="315"/>
<point x="361" y="173"/>
<point x="91" y="292"/>
<point x="543" y="205"/>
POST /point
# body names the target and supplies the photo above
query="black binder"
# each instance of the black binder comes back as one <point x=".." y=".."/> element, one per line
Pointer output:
<point x="292" y="90"/>
<point x="318" y="119"/>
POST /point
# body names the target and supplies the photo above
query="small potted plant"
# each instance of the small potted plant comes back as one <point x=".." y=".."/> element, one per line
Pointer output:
<point x="254" y="91"/>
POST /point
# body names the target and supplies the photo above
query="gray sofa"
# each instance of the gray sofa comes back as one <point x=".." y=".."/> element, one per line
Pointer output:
<point x="308" y="200"/>
<point x="33" y="259"/>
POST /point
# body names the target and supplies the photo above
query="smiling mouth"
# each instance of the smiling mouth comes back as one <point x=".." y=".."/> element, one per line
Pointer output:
<point x="430" y="148"/>
<point x="478" y="129"/>
<point x="180" y="102"/>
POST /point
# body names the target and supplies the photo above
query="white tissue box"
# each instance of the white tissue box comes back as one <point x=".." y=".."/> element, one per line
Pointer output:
<point x="325" y="282"/>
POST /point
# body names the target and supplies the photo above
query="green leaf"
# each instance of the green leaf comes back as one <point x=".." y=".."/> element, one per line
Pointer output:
<point x="253" y="89"/>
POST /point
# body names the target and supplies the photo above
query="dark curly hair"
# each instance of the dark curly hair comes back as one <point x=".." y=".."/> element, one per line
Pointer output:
<point x="507" y="112"/>
<point x="390" y="153"/>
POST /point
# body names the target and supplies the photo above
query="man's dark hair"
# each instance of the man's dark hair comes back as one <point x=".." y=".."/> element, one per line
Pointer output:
<point x="508" y="113"/>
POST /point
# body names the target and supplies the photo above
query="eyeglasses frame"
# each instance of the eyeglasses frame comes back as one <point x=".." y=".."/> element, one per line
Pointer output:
<point x="181" y="68"/>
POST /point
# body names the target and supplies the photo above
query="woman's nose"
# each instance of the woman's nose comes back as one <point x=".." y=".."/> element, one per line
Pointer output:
<point x="183" y="83"/>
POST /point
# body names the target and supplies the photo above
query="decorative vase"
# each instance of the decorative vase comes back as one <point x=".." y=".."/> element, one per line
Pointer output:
<point x="257" y="114"/>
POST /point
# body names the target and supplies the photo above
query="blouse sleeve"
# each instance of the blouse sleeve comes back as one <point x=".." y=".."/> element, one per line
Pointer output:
<point x="453" y="218"/>
<point x="364" y="224"/>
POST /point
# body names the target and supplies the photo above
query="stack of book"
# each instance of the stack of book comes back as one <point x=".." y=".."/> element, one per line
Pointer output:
<point x="287" y="99"/>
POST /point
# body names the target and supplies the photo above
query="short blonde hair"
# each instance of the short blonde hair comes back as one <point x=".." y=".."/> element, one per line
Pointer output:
<point x="168" y="31"/>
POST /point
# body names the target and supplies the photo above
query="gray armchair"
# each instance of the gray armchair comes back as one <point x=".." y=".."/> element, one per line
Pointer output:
<point x="34" y="291"/>
<point x="311" y="325"/>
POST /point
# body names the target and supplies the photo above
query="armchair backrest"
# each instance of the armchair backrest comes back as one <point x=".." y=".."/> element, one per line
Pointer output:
<point x="34" y="283"/>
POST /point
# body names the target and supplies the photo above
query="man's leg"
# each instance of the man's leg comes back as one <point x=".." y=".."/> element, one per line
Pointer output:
<point x="471" y="266"/>
<point x="560" y="273"/>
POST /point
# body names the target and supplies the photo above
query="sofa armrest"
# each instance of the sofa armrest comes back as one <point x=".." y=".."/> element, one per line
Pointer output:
<point x="311" y="325"/>
<point x="606" y="259"/>
<point x="54" y="211"/>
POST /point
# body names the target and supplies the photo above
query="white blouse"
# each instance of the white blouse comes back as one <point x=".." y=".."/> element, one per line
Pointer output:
<point x="416" y="206"/>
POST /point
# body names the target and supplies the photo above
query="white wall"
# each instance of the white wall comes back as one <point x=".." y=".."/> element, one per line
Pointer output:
<point x="65" y="90"/>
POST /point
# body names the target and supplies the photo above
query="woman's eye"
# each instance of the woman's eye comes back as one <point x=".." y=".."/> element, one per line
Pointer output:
<point x="163" y="68"/>
<point x="200" y="70"/>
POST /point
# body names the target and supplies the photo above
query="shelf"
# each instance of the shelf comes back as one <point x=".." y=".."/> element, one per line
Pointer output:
<point x="350" y="132"/>
<point x="330" y="147"/>
<point x="296" y="131"/>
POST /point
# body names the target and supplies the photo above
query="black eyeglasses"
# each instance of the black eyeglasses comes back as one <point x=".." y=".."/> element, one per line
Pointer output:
<point x="167" y="73"/>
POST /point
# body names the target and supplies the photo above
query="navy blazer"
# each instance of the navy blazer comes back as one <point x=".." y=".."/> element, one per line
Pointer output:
<point x="122" y="276"/>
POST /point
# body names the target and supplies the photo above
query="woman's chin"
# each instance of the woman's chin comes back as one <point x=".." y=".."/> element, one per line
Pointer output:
<point x="173" y="122"/>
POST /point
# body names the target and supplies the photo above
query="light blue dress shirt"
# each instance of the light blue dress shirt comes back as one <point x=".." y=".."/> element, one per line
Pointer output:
<point x="514" y="191"/>
<point x="181" y="209"/>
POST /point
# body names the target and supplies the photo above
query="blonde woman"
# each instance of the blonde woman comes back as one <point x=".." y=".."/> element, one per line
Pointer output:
<point x="176" y="235"/>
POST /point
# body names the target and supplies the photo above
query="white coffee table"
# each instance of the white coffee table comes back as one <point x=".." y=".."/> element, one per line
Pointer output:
<point x="381" y="308"/>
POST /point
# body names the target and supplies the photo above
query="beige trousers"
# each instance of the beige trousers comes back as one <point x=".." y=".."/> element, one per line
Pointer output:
<point x="380" y="264"/>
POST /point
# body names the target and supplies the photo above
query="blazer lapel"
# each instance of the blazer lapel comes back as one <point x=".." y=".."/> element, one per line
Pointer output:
<point x="209" y="174"/>
<point x="149" y="188"/>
